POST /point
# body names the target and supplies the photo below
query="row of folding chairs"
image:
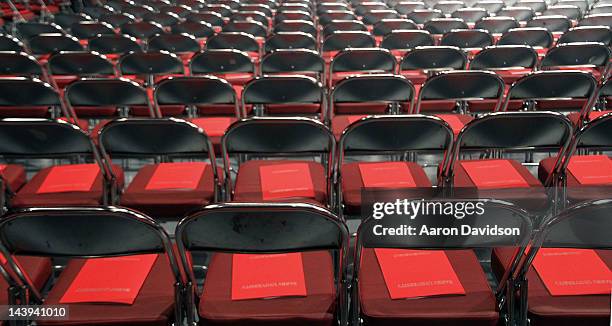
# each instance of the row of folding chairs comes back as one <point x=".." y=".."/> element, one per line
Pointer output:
<point x="290" y="237"/>
<point x="299" y="160"/>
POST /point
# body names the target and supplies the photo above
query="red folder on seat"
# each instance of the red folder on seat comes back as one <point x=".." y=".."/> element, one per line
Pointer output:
<point x="417" y="273"/>
<point x="70" y="178"/>
<point x="386" y="175"/>
<point x="214" y="127"/>
<point x="573" y="271"/>
<point x="267" y="276"/>
<point x="494" y="174"/>
<point x="591" y="169"/>
<point x="110" y="280"/>
<point x="285" y="181"/>
<point x="183" y="175"/>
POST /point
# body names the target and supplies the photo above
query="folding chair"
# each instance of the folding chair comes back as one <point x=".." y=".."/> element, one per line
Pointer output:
<point x="349" y="62"/>
<point x="344" y="26"/>
<point x="571" y="242"/>
<point x="596" y="20"/>
<point x="555" y="90"/>
<point x="303" y="26"/>
<point x="373" y="17"/>
<point x="331" y="15"/>
<point x="470" y="15"/>
<point x="386" y="26"/>
<point x="72" y="182"/>
<point x="22" y="97"/>
<point x="339" y="41"/>
<point x="449" y="6"/>
<point x="183" y="45"/>
<point x="66" y="67"/>
<point x="293" y="62"/>
<point x="179" y="10"/>
<point x="422" y="61"/>
<point x="537" y="37"/>
<point x="95" y="98"/>
<point x="422" y="16"/>
<point x="142" y="30"/>
<point x="497" y="25"/>
<point x="113" y="46"/>
<point x="356" y="97"/>
<point x="65" y="19"/>
<point x="101" y="242"/>
<point x="583" y="5"/>
<point x="572" y="12"/>
<point x="425" y="262"/>
<point x="284" y="95"/>
<point x="604" y="8"/>
<point x="294" y="178"/>
<point x="10" y="43"/>
<point x="556" y="24"/>
<point x="117" y="19"/>
<point x="250" y="16"/>
<point x="406" y="7"/>
<point x="491" y="6"/>
<point x="27" y="30"/>
<point x="212" y="18"/>
<point x="268" y="231"/>
<point x="510" y="62"/>
<point x="593" y="58"/>
<point x="20" y="64"/>
<point x="176" y="147"/>
<point x="394" y="135"/>
<point x="522" y="14"/>
<point x="469" y="40"/>
<point x="498" y="140"/>
<point x="43" y="45"/>
<point x="597" y="34"/>
<point x="441" y="26"/>
<point x="400" y="42"/>
<point x="236" y="41"/>
<point x="235" y="66"/>
<point x="165" y="19"/>
<point x="211" y="100"/>
<point x="85" y="30"/>
<point x="290" y="40"/>
<point x="200" y="30"/>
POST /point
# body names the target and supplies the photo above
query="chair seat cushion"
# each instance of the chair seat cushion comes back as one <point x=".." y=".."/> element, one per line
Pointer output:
<point x="361" y="108"/>
<point x="14" y="175"/>
<point x="475" y="308"/>
<point x="545" y="309"/>
<point x="316" y="309"/>
<point x="28" y="196"/>
<point x="37" y="268"/>
<point x="248" y="181"/>
<point x="532" y="198"/>
<point x="154" y="304"/>
<point x="352" y="185"/>
<point x="168" y="201"/>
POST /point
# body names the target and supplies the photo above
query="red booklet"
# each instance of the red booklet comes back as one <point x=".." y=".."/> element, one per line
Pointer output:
<point x="386" y="175"/>
<point x="418" y="273"/>
<point x="573" y="271"/>
<point x="267" y="276"/>
<point x="183" y="175"/>
<point x="214" y="127"/>
<point x="591" y="169"/>
<point x="494" y="174"/>
<point x="285" y="181"/>
<point x="69" y="178"/>
<point x="110" y="280"/>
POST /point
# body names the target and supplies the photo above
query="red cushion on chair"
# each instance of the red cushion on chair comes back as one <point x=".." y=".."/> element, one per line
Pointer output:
<point x="532" y="197"/>
<point x="168" y="201"/>
<point x="37" y="268"/>
<point x="215" y="138"/>
<point x="475" y="308"/>
<point x="316" y="309"/>
<point x="28" y="195"/>
<point x="417" y="77"/>
<point x="431" y="105"/>
<point x="154" y="304"/>
<point x="15" y="176"/>
<point x="545" y="309"/>
<point x="364" y="108"/>
<point x="248" y="181"/>
<point x="352" y="184"/>
<point x="24" y="112"/>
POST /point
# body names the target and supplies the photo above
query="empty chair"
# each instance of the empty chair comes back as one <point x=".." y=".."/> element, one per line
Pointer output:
<point x="350" y="62"/>
<point x="539" y="38"/>
<point x="142" y="30"/>
<point x="356" y="97"/>
<point x="491" y="6"/>
<point x="14" y="64"/>
<point x="572" y="12"/>
<point x="113" y="46"/>
<point x="601" y="9"/>
<point x="402" y="41"/>
<point x="27" y="30"/>
<point x="267" y="236"/>
<point x="84" y="30"/>
<point x="10" y="43"/>
<point x="555" y="24"/>
<point x="591" y="57"/>
<point x="209" y="17"/>
<point x="234" y="66"/>
<point x="238" y="41"/>
<point x="148" y="67"/>
<point x="501" y="176"/>
<point x="497" y="25"/>
<point x="331" y="15"/>
<point x="110" y="239"/>
<point x="521" y="14"/>
<point x="155" y="189"/>
<point x="421" y="16"/>
<point x="117" y="19"/>
<point x="26" y="97"/>
<point x="44" y="45"/>
<point x="254" y="28"/>
<point x="598" y="34"/>
<point x="292" y="15"/>
<point x="380" y="299"/>
<point x="273" y="180"/>
<point x="422" y="61"/>
<point x="375" y="16"/>
<point x="65" y="20"/>
<point x="448" y="7"/>
<point x="583" y="5"/>
<point x="510" y="62"/>
<point x="200" y="30"/>
<point x="88" y="183"/>
<point x="344" y="26"/>
<point x="178" y="10"/>
<point x="554" y="90"/>
<point x="296" y="26"/>
<point x="253" y="16"/>
<point x="406" y="7"/>
<point x="106" y="98"/>
<point x="183" y="45"/>
<point x="470" y="15"/>
<point x="386" y="26"/>
<point x="393" y="134"/>
<point x="441" y="26"/>
<point x="285" y="95"/>
<point x="66" y="67"/>
<point x="164" y="19"/>
<point x="472" y="40"/>
<point x="290" y="40"/>
<point x="596" y="20"/>
<point x="296" y="61"/>
<point x="339" y="41"/>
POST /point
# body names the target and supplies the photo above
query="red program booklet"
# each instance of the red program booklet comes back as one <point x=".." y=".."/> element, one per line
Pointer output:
<point x="214" y="127"/>
<point x="591" y="169"/>
<point x="260" y="276"/>
<point x="572" y="271"/>
<point x="285" y="181"/>
<point x="69" y="178"/>
<point x="494" y="174"/>
<point x="185" y="175"/>
<point x="418" y="273"/>
<point x="386" y="175"/>
<point x="110" y="280"/>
